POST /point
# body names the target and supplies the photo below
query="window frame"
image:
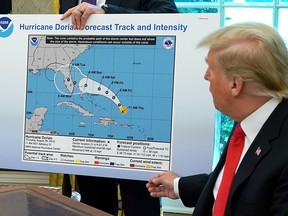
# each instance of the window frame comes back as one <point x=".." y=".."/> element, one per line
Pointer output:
<point x="276" y="5"/>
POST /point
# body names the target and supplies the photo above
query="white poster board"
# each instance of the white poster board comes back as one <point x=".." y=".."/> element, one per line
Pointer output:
<point x="123" y="98"/>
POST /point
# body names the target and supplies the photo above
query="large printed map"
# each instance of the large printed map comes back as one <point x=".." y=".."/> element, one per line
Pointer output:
<point x="115" y="87"/>
<point x="113" y="103"/>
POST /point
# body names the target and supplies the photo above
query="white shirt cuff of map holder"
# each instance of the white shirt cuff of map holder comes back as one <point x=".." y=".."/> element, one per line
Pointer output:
<point x="176" y="186"/>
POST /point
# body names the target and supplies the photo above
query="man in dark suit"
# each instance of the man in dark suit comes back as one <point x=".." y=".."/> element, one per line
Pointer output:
<point x="81" y="12"/>
<point x="5" y="6"/>
<point x="248" y="75"/>
<point x="102" y="192"/>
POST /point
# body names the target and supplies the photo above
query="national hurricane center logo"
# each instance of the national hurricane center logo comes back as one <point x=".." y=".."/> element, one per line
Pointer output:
<point x="34" y="41"/>
<point x="6" y="27"/>
<point x="168" y="43"/>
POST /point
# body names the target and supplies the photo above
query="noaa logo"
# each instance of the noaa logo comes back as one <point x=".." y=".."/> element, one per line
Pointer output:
<point x="6" y="27"/>
<point x="34" y="41"/>
<point x="168" y="43"/>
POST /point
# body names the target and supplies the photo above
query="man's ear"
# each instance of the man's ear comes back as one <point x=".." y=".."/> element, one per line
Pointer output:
<point x="237" y="86"/>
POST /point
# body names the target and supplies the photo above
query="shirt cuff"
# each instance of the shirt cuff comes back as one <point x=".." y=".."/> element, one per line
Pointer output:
<point x="176" y="186"/>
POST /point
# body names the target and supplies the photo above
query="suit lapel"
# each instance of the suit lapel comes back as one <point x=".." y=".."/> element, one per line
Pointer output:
<point x="256" y="152"/>
<point x="261" y="146"/>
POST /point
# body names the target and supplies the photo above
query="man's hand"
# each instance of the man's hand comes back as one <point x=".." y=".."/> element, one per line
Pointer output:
<point x="80" y="13"/>
<point x="162" y="185"/>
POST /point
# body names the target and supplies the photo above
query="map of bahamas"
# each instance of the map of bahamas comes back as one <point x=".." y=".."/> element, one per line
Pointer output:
<point x="111" y="87"/>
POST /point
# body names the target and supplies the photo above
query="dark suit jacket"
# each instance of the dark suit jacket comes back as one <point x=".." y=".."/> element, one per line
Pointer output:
<point x="260" y="186"/>
<point x="130" y="6"/>
<point x="5" y="6"/>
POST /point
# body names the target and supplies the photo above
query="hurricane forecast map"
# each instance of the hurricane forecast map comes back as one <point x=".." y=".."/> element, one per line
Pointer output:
<point x="100" y="100"/>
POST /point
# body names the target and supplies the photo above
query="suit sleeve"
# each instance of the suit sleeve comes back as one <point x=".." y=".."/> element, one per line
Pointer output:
<point x="146" y="6"/>
<point x="67" y="4"/>
<point x="190" y="188"/>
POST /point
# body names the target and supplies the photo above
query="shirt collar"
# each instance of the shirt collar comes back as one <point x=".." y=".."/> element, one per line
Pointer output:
<point x="254" y="122"/>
